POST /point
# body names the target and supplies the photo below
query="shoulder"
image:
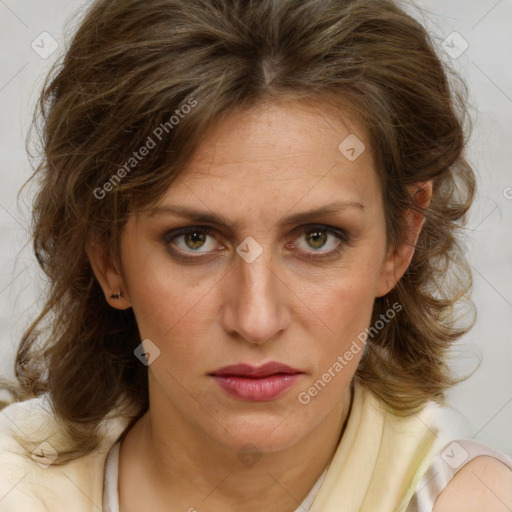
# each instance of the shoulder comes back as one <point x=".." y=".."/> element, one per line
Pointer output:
<point x="18" y="421"/>
<point x="35" y="476"/>
<point x="484" y="483"/>
<point x="22" y="424"/>
<point x="23" y="418"/>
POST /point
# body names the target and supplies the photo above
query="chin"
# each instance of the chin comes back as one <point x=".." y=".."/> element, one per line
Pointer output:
<point x="266" y="433"/>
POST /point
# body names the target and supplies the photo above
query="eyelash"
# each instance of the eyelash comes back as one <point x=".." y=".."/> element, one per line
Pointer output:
<point x="342" y="236"/>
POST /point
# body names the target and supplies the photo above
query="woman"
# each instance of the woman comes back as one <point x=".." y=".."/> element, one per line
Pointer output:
<point x="248" y="214"/>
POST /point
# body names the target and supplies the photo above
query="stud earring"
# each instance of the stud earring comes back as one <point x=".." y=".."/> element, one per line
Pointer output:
<point x="117" y="295"/>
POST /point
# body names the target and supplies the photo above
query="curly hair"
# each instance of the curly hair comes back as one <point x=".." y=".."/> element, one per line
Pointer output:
<point x="133" y="65"/>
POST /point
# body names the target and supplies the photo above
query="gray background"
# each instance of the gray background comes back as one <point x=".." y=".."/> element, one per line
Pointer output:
<point x="482" y="406"/>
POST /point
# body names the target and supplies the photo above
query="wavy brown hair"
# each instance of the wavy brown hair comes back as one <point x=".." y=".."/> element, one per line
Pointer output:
<point x="132" y="65"/>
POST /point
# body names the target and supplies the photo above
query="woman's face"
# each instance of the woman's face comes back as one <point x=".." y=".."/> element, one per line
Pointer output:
<point x="256" y="285"/>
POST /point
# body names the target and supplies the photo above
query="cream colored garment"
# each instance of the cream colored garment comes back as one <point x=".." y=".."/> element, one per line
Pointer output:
<point x="376" y="467"/>
<point x="380" y="459"/>
<point x="30" y="486"/>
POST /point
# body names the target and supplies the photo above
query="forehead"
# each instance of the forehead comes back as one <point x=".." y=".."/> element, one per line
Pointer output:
<point x="278" y="157"/>
<point x="279" y="131"/>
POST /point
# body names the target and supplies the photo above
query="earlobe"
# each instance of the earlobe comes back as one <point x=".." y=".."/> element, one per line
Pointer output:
<point x="399" y="258"/>
<point x="108" y="275"/>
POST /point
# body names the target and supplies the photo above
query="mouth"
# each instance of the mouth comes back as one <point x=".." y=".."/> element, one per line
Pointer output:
<point x="256" y="384"/>
<point x="248" y="371"/>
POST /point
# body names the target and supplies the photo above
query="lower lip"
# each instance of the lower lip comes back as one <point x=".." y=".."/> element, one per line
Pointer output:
<point x="262" y="389"/>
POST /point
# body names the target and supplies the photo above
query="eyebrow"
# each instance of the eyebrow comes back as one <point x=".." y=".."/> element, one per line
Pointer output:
<point x="213" y="218"/>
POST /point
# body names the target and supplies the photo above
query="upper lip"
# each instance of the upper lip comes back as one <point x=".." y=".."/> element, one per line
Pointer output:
<point x="246" y="370"/>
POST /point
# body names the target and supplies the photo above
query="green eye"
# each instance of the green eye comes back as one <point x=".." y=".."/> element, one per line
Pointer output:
<point x="197" y="241"/>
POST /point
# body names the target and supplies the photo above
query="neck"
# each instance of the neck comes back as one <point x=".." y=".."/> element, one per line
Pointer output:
<point x="192" y="470"/>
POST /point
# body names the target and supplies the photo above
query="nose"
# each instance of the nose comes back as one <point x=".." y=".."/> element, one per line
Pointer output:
<point x="256" y="307"/>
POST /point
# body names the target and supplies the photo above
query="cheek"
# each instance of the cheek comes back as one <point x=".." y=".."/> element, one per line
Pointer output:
<point x="173" y="307"/>
<point x="348" y="314"/>
<point x="346" y="308"/>
<point x="349" y="297"/>
<point x="159" y="290"/>
<point x="166" y="310"/>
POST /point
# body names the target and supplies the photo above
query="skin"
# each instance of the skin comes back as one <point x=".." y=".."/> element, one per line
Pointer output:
<point x="254" y="168"/>
<point x="484" y="483"/>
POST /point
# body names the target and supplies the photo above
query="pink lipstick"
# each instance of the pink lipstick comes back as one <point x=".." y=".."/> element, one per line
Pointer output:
<point x="256" y="384"/>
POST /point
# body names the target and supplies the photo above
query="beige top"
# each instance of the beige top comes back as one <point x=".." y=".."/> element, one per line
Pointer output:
<point x="383" y="463"/>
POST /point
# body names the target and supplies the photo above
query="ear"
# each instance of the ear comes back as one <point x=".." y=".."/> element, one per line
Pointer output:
<point x="107" y="274"/>
<point x="399" y="257"/>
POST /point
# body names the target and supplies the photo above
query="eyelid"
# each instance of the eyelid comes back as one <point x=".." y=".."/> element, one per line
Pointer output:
<point x="169" y="236"/>
<point x="343" y="237"/>
<point x="341" y="233"/>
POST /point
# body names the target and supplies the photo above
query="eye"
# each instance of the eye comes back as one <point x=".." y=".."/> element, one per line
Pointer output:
<point x="318" y="237"/>
<point x="192" y="240"/>
<point x="315" y="242"/>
